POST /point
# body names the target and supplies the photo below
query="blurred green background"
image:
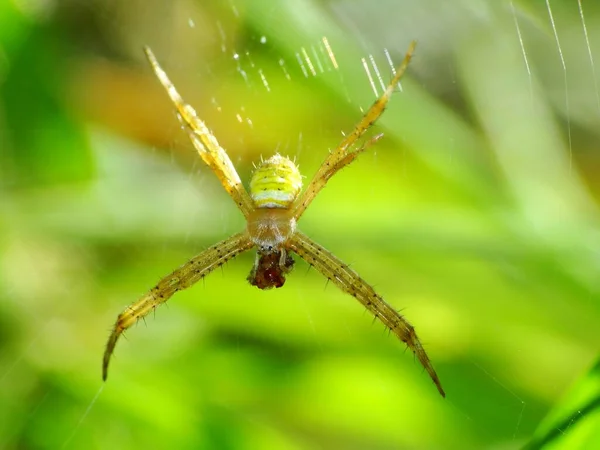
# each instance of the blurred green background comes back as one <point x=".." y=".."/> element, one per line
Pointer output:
<point x="476" y="215"/>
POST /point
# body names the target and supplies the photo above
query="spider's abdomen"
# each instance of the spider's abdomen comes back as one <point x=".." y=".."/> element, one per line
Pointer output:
<point x="275" y="183"/>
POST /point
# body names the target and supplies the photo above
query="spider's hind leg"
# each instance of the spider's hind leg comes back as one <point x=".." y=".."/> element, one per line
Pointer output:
<point x="350" y="282"/>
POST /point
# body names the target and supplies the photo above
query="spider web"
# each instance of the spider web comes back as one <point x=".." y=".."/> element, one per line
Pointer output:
<point x="474" y="216"/>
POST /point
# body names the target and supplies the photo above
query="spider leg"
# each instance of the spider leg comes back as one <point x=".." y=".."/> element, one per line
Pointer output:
<point x="343" y="154"/>
<point x="351" y="156"/>
<point x="184" y="277"/>
<point x="204" y="141"/>
<point x="350" y="282"/>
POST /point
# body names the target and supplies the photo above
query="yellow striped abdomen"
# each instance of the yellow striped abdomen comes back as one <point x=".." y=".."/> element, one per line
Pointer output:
<point x="275" y="183"/>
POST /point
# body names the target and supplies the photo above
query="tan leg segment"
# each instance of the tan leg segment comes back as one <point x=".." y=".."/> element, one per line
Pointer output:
<point x="182" y="278"/>
<point x="349" y="281"/>
<point x="205" y="142"/>
<point x="343" y="152"/>
<point x="350" y="156"/>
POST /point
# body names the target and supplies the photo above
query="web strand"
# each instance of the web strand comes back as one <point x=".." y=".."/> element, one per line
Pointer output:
<point x="589" y="48"/>
<point x="565" y="80"/>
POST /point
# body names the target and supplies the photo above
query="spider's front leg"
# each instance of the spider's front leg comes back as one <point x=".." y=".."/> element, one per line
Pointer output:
<point x="349" y="281"/>
<point x="344" y="154"/>
<point x="182" y="278"/>
<point x="204" y="141"/>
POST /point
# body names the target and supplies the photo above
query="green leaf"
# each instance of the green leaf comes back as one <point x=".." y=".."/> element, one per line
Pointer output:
<point x="575" y="422"/>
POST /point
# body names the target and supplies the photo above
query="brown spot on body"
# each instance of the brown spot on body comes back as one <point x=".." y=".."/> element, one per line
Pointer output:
<point x="270" y="270"/>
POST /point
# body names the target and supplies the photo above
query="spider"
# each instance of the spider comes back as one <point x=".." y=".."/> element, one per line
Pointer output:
<point x="272" y="209"/>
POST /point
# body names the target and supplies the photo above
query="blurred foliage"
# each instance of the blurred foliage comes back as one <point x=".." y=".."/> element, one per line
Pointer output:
<point x="574" y="422"/>
<point x="477" y="215"/>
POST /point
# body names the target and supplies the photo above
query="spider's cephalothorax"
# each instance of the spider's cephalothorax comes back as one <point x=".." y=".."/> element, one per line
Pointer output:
<point x="272" y="210"/>
<point x="274" y="186"/>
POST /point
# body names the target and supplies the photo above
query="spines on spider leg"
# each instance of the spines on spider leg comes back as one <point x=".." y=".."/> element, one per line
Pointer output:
<point x="158" y="295"/>
<point x="397" y="324"/>
<point x="341" y="151"/>
<point x="350" y="282"/>
<point x="187" y="275"/>
<point x="348" y="158"/>
<point x="329" y="169"/>
<point x="204" y="141"/>
<point x="406" y="333"/>
<point x="139" y="310"/>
